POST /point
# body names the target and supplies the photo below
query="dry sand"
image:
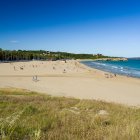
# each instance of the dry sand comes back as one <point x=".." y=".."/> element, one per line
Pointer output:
<point x="70" y="79"/>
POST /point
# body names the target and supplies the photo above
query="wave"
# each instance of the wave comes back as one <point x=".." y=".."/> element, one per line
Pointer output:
<point x="117" y="69"/>
<point x="99" y="63"/>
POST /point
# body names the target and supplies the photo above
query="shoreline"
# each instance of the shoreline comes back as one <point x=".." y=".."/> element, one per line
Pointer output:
<point x="70" y="79"/>
<point x="111" y="72"/>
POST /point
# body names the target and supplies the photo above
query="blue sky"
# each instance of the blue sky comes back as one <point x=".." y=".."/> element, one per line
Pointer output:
<point x="110" y="27"/>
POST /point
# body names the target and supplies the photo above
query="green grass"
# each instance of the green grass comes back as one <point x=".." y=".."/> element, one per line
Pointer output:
<point x="27" y="115"/>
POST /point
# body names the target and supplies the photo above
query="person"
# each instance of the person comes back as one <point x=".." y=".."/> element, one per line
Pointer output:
<point x="64" y="71"/>
<point x="36" y="77"/>
<point x="106" y="75"/>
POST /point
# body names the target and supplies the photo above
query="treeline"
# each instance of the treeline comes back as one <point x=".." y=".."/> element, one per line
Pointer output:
<point x="18" y="55"/>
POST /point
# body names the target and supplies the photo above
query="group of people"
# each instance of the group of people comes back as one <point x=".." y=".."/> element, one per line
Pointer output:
<point x="35" y="78"/>
<point x="110" y="75"/>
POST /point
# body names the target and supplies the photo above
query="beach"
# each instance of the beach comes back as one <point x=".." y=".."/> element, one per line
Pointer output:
<point x="70" y="79"/>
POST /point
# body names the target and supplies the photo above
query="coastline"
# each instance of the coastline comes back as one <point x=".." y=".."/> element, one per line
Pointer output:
<point x="105" y="59"/>
<point x="78" y="81"/>
<point x="109" y="68"/>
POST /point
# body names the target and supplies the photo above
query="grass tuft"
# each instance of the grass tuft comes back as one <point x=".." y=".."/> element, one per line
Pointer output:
<point x="26" y="115"/>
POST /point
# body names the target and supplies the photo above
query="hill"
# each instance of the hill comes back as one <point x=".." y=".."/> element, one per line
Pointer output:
<point x="18" y="55"/>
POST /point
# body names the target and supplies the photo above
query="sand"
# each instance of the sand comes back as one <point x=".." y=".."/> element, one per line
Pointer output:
<point x="70" y="79"/>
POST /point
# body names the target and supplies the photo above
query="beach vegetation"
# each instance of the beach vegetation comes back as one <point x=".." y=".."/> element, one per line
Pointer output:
<point x="32" y="116"/>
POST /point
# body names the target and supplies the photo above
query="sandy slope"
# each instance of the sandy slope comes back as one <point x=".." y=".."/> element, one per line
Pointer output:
<point x="70" y="79"/>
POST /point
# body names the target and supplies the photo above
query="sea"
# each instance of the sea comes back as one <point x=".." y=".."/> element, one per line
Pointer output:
<point x="129" y="68"/>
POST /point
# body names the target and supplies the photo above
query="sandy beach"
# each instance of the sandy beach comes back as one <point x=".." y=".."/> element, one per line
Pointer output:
<point x="70" y="79"/>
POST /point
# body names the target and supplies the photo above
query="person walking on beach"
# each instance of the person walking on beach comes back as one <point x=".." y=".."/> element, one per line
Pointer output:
<point x="35" y="78"/>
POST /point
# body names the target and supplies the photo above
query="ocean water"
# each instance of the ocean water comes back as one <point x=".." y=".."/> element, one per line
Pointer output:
<point x="129" y="68"/>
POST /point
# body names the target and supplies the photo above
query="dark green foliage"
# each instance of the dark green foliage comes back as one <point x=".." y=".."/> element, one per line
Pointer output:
<point x="24" y="55"/>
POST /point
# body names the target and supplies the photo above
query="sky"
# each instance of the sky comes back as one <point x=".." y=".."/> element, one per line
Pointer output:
<point x="109" y="27"/>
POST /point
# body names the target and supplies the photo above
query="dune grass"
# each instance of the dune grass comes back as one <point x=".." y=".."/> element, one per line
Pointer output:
<point x="28" y="115"/>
